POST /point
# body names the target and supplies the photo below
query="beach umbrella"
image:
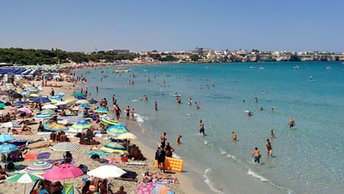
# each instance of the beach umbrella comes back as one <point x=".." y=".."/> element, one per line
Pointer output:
<point x="82" y="125"/>
<point x="34" y="95"/>
<point x="101" y="110"/>
<point x="78" y="95"/>
<point x="49" y="106"/>
<point x="61" y="94"/>
<point x="84" y="105"/>
<point x="11" y="124"/>
<point x="27" y="111"/>
<point x="65" y="146"/>
<point x="116" y="130"/>
<point x="2" y="105"/>
<point x="145" y="188"/>
<point x="48" y="112"/>
<point x="19" y="103"/>
<point x="3" y="92"/>
<point x="7" y="103"/>
<point x="40" y="100"/>
<point x="55" y="127"/>
<point x="59" y="103"/>
<point x="62" y="172"/>
<point x="82" y="102"/>
<point x="128" y="136"/>
<point x="4" y="138"/>
<point x="76" y="108"/>
<point x="162" y="189"/>
<point x="23" y="178"/>
<point x="114" y="148"/>
<point x="8" y="148"/>
<point x="39" y="167"/>
<point x="106" y="171"/>
<point x="16" y="95"/>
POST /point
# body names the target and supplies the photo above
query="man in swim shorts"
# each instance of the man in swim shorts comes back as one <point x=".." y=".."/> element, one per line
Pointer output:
<point x="256" y="155"/>
<point x="201" y="127"/>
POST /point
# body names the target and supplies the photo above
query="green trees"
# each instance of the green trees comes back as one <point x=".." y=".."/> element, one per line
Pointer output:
<point x="54" y="56"/>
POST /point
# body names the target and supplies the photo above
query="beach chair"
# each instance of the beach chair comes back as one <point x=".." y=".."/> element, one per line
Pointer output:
<point x="68" y="188"/>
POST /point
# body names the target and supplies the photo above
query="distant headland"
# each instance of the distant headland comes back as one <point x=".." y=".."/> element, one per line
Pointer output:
<point x="20" y="56"/>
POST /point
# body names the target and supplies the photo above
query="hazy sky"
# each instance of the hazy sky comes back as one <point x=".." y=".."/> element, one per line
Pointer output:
<point x="82" y="25"/>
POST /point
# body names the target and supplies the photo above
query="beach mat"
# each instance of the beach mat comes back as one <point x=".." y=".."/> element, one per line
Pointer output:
<point x="101" y="154"/>
<point x="43" y="155"/>
<point x="30" y="156"/>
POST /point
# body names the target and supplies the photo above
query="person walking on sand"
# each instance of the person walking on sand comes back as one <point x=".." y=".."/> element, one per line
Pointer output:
<point x="117" y="111"/>
<point x="163" y="139"/>
<point x="256" y="155"/>
<point x="268" y="147"/>
<point x="201" y="127"/>
<point x="234" y="136"/>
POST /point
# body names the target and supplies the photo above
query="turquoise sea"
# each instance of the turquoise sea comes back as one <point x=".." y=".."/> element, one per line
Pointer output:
<point x="307" y="159"/>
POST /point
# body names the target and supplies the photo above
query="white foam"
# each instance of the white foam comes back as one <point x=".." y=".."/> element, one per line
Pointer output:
<point x="139" y="118"/>
<point x="255" y="175"/>
<point x="231" y="157"/>
<point x="134" y="100"/>
<point x="205" y="142"/>
<point x="223" y="152"/>
<point x="209" y="183"/>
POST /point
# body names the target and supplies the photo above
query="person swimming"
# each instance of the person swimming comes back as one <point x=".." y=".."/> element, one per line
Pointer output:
<point x="256" y="155"/>
<point x="178" y="141"/>
<point x="234" y="136"/>
<point x="291" y="123"/>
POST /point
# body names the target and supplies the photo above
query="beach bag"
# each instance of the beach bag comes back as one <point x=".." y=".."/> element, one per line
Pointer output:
<point x="95" y="156"/>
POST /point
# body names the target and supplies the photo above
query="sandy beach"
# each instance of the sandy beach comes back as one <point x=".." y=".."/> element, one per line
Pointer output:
<point x="183" y="185"/>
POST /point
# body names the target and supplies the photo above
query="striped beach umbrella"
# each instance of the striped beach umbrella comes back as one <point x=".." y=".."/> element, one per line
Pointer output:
<point x="65" y="146"/>
<point x="39" y="167"/>
<point x="23" y="178"/>
<point x="4" y="138"/>
<point x="55" y="127"/>
<point x="8" y="148"/>
<point x="116" y="130"/>
<point x="101" y="110"/>
<point x="113" y="148"/>
<point x="82" y="125"/>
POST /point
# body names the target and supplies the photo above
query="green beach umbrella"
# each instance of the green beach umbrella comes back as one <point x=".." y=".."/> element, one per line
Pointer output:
<point x="2" y="105"/>
<point x="23" y="178"/>
<point x="101" y="110"/>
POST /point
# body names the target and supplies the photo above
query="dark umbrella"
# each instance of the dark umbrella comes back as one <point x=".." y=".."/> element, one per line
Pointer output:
<point x="16" y="95"/>
<point x="7" y="103"/>
<point x="40" y="100"/>
<point x="19" y="103"/>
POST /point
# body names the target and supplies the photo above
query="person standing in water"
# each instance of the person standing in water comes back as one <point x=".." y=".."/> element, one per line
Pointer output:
<point x="268" y="147"/>
<point x="97" y="89"/>
<point x="201" y="127"/>
<point x="234" y="136"/>
<point x="127" y="110"/>
<point x="156" y="105"/>
<point x="178" y="141"/>
<point x="291" y="123"/>
<point x="256" y="155"/>
<point x="273" y="134"/>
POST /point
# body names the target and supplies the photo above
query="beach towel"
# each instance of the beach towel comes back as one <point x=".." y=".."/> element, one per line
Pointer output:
<point x="101" y="154"/>
<point x="54" y="161"/>
<point x="68" y="188"/>
<point x="43" y="155"/>
<point x="30" y="156"/>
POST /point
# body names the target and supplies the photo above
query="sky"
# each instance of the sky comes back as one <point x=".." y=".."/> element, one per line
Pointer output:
<point x="145" y="25"/>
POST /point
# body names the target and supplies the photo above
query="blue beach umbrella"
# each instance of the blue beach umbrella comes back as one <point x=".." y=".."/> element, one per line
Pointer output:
<point x="115" y="130"/>
<point x="8" y="148"/>
<point x="85" y="105"/>
<point x="82" y="125"/>
<point x="4" y="138"/>
<point x="19" y="103"/>
<point x="40" y="100"/>
<point x="101" y="110"/>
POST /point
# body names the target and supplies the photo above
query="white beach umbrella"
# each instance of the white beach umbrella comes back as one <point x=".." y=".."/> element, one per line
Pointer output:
<point x="59" y="103"/>
<point x="128" y="136"/>
<point x="49" y="106"/>
<point x="106" y="171"/>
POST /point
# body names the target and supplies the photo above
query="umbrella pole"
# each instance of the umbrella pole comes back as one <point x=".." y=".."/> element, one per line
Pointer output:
<point x="24" y="188"/>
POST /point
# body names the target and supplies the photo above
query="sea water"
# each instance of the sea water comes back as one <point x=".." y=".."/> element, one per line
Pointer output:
<point x="308" y="158"/>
